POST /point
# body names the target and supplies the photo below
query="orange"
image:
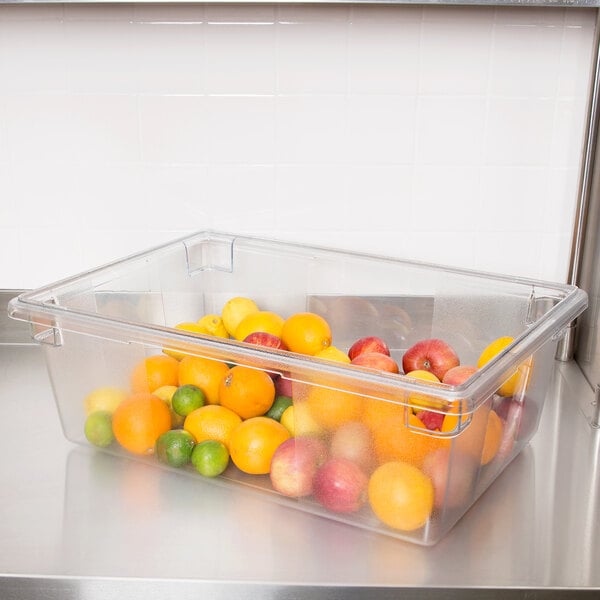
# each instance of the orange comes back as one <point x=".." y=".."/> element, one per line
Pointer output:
<point x="253" y="443"/>
<point x="393" y="440"/>
<point x="493" y="437"/>
<point x="204" y="373"/>
<point x="481" y="438"/>
<point x="235" y="310"/>
<point x="139" y="421"/>
<point x="247" y="392"/>
<point x="306" y="333"/>
<point x="401" y="496"/>
<point x="517" y="382"/>
<point x="154" y="372"/>
<point x="331" y="408"/>
<point x="263" y="321"/>
<point x="212" y="422"/>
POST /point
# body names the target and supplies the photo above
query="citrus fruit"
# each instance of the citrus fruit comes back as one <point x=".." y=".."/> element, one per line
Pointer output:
<point x="253" y="443"/>
<point x="330" y="408"/>
<point x="306" y="333"/>
<point x="210" y="458"/>
<point x="287" y="420"/>
<point x="333" y="353"/>
<point x="187" y="397"/>
<point x="493" y="437"/>
<point x="104" y="398"/>
<point x="235" y="310"/>
<point x="401" y="496"/>
<point x="247" y="392"/>
<point x="98" y="428"/>
<point x="423" y="401"/>
<point x="174" y="448"/>
<point x="204" y="373"/>
<point x="154" y="372"/>
<point x="213" y="325"/>
<point x="262" y="321"/>
<point x="516" y="382"/>
<point x="393" y="440"/>
<point x="165" y="393"/>
<point x="139" y="421"/>
<point x="278" y="407"/>
<point x="212" y="422"/>
<point x="189" y="327"/>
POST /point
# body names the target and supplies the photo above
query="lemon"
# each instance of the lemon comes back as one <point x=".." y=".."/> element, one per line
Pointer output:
<point x="104" y="398"/>
<point x="235" y="310"/>
<point x="333" y="353"/>
<point x="185" y="326"/>
<point x="298" y="420"/>
<point x="213" y="325"/>
<point x="516" y="382"/>
<point x="165" y="393"/>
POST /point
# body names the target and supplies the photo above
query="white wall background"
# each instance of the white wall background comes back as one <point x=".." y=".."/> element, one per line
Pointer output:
<point x="450" y="134"/>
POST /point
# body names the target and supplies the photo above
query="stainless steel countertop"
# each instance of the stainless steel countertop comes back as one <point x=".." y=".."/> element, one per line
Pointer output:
<point x="78" y="523"/>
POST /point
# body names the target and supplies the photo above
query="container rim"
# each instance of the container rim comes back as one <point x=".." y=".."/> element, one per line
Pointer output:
<point x="37" y="307"/>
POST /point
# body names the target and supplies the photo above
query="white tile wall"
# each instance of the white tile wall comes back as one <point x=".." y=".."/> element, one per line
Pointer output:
<point x="451" y="134"/>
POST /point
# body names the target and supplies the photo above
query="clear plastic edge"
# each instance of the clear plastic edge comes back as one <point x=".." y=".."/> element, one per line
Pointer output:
<point x="34" y="307"/>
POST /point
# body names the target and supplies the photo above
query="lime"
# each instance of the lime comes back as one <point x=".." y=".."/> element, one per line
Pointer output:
<point x="98" y="428"/>
<point x="187" y="398"/>
<point x="210" y="458"/>
<point x="278" y="407"/>
<point x="175" y="447"/>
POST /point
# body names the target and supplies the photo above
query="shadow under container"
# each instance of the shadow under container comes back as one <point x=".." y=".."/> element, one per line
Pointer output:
<point x="96" y="327"/>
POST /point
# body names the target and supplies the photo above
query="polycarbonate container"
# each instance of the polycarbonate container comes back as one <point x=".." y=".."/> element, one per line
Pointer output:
<point x="394" y="454"/>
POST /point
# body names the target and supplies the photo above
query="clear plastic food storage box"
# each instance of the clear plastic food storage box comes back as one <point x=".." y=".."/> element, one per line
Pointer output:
<point x="401" y="453"/>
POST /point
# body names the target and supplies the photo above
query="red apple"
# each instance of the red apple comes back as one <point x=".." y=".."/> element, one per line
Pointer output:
<point x="283" y="387"/>
<point x="353" y="441"/>
<point x="294" y="465"/>
<point x="452" y="475"/>
<point x="368" y="344"/>
<point x="261" y="338"/>
<point x="432" y="355"/>
<point x="431" y="419"/>
<point x="376" y="360"/>
<point x="458" y="375"/>
<point x="341" y="485"/>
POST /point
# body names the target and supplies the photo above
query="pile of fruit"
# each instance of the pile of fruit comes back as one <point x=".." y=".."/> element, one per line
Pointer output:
<point x="347" y="451"/>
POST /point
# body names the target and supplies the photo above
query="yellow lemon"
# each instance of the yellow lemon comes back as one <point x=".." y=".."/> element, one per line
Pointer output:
<point x="105" y="399"/>
<point x="213" y="325"/>
<point x="192" y="328"/>
<point x="165" y="393"/>
<point x="418" y="401"/>
<point x="517" y="382"/>
<point x="235" y="310"/>
<point x="333" y="353"/>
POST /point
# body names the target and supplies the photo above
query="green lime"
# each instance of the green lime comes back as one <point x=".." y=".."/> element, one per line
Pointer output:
<point x="175" y="447"/>
<point x="278" y="407"/>
<point x="210" y="458"/>
<point x="187" y="398"/>
<point x="98" y="428"/>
